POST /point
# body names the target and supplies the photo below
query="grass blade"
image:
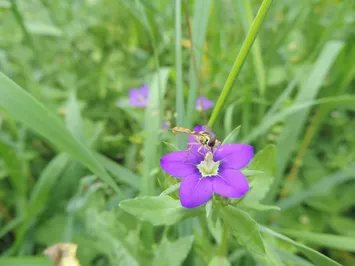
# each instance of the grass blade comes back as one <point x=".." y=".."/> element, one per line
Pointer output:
<point x="316" y="257"/>
<point x="323" y="240"/>
<point x="308" y="92"/>
<point x="26" y="109"/>
<point x="152" y="126"/>
<point x="123" y="174"/>
<point x="199" y="29"/>
<point x="180" y="106"/>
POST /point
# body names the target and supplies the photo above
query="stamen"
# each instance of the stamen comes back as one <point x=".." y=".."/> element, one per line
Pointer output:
<point x="208" y="167"/>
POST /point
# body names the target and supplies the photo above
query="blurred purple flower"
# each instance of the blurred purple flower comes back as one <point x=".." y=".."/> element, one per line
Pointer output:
<point x="165" y="125"/>
<point x="202" y="103"/>
<point x="139" y="97"/>
<point x="204" y="173"/>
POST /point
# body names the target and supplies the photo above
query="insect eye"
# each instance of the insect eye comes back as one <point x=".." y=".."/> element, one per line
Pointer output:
<point x="211" y="142"/>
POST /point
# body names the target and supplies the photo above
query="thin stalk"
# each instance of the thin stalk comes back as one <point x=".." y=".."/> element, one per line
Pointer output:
<point x="246" y="111"/>
<point x="180" y="106"/>
<point x="239" y="61"/>
<point x="257" y="62"/>
<point x="194" y="60"/>
<point x="223" y="247"/>
<point x="311" y="130"/>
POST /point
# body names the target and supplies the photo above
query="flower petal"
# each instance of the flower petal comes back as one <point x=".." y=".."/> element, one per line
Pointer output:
<point x="195" y="191"/>
<point x="136" y="98"/>
<point x="144" y="90"/>
<point x="234" y="156"/>
<point x="202" y="103"/>
<point x="180" y="163"/>
<point x="230" y="183"/>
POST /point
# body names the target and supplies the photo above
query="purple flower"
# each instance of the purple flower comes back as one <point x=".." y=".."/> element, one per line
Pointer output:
<point x="204" y="173"/>
<point x="202" y="103"/>
<point x="165" y="125"/>
<point x="139" y="97"/>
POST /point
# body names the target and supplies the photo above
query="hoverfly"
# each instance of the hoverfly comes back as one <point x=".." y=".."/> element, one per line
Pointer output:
<point x="205" y="138"/>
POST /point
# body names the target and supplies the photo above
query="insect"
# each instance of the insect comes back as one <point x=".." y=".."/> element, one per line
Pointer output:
<point x="205" y="138"/>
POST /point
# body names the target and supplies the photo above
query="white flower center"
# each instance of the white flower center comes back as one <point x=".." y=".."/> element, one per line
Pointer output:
<point x="208" y="167"/>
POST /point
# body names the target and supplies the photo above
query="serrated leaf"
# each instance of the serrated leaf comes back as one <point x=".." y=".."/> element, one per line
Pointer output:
<point x="244" y="228"/>
<point x="172" y="253"/>
<point x="162" y="210"/>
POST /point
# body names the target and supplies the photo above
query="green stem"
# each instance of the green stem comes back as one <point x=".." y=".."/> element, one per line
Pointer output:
<point x="239" y="61"/>
<point x="223" y="247"/>
<point x="179" y="88"/>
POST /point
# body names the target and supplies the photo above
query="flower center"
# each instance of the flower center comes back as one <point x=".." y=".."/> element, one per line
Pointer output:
<point x="208" y="167"/>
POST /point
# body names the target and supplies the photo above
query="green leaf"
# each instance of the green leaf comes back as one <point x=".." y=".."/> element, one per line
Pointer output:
<point x="26" y="109"/>
<point x="28" y="261"/>
<point x="272" y="257"/>
<point x="199" y="26"/>
<point x="162" y="210"/>
<point x="46" y="182"/>
<point x="316" y="257"/>
<point x="219" y="261"/>
<point x="73" y="120"/>
<point x="244" y="228"/>
<point x="172" y="253"/>
<point x="343" y="225"/>
<point x="152" y="127"/>
<point x="290" y="258"/>
<point x="232" y="137"/>
<point x="323" y="240"/>
<point x="41" y="193"/>
<point x="265" y="161"/>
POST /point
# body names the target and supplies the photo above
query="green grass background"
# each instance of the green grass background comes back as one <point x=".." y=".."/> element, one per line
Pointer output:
<point x="69" y="154"/>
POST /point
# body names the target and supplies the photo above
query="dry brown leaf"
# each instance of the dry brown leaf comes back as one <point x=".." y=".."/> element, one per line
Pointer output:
<point x="63" y="254"/>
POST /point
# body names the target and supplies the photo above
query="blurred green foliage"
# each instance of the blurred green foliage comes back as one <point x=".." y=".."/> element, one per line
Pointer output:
<point x="69" y="153"/>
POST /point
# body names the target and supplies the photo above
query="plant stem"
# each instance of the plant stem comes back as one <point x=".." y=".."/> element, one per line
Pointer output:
<point x="223" y="247"/>
<point x="304" y="146"/>
<point x="239" y="61"/>
<point x="179" y="78"/>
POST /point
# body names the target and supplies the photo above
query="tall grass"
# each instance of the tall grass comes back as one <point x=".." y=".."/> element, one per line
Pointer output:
<point x="280" y="73"/>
